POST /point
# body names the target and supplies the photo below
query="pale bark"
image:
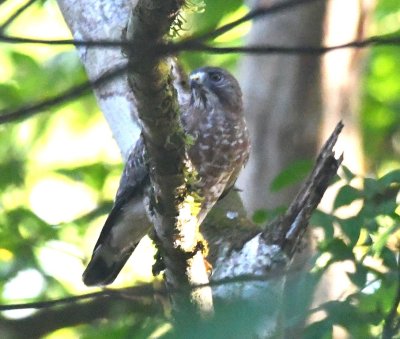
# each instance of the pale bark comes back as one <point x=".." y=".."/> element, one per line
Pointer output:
<point x="342" y="74"/>
<point x="93" y="20"/>
<point x="341" y="87"/>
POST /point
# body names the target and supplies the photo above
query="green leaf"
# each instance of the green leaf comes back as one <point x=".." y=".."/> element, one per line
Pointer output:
<point x="319" y="329"/>
<point x="93" y="175"/>
<point x="372" y="187"/>
<point x="389" y="178"/>
<point x="347" y="174"/>
<point x="294" y="173"/>
<point x="339" y="250"/>
<point x="389" y="258"/>
<point x="325" y="221"/>
<point x="12" y="173"/>
<point x="372" y="209"/>
<point x="359" y="277"/>
<point x="346" y="195"/>
<point x="9" y="95"/>
<point x="381" y="239"/>
<point x="352" y="228"/>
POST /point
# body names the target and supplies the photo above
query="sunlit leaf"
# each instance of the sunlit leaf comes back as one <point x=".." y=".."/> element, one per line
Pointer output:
<point x="93" y="175"/>
<point x="346" y="195"/>
<point x="347" y="174"/>
<point x="391" y="177"/>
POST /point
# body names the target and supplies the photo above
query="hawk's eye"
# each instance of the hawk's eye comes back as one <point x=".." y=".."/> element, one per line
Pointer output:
<point x="215" y="77"/>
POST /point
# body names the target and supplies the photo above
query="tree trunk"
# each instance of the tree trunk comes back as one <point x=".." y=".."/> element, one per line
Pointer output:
<point x="282" y="101"/>
<point x="341" y="87"/>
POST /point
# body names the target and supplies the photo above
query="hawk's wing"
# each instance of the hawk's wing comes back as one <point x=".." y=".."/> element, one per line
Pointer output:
<point x="126" y="224"/>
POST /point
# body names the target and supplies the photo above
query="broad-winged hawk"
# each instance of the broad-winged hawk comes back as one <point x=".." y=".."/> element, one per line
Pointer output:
<point x="214" y="118"/>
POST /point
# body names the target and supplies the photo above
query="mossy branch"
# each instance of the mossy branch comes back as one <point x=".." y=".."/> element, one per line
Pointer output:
<point x="176" y="230"/>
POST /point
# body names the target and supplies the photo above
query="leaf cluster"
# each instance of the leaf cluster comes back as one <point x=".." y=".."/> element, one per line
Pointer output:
<point x="369" y="240"/>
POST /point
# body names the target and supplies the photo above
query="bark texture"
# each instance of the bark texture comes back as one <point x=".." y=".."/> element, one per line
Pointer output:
<point x="172" y="204"/>
<point x="97" y="19"/>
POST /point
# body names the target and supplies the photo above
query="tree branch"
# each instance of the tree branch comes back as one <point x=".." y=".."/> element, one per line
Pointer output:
<point x="175" y="223"/>
<point x="288" y="230"/>
<point x="68" y="95"/>
<point x="88" y="20"/>
<point x="75" y="312"/>
<point x="252" y="15"/>
<point x="113" y="74"/>
<point x="191" y="46"/>
<point x="16" y="14"/>
<point x="242" y="250"/>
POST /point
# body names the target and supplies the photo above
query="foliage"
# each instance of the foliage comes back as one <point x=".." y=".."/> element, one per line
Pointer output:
<point x="369" y="239"/>
<point x="380" y="113"/>
<point x="217" y="13"/>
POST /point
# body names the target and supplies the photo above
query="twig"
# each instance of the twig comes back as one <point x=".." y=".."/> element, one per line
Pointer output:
<point x="139" y="291"/>
<point x="195" y="46"/>
<point x="104" y="43"/>
<point x="17" y="13"/>
<point x="269" y="49"/>
<point x="254" y="14"/>
<point x="56" y="302"/>
<point x="392" y="321"/>
<point x="31" y="109"/>
<point x="72" y="93"/>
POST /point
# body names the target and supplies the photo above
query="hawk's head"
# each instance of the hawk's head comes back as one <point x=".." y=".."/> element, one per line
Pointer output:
<point x="214" y="86"/>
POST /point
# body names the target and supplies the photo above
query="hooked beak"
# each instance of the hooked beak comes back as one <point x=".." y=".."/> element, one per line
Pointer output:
<point x="196" y="79"/>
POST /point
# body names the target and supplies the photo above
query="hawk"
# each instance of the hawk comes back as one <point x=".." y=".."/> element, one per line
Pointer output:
<point x="214" y="118"/>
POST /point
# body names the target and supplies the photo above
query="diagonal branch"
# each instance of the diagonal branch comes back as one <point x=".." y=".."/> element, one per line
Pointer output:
<point x="252" y="15"/>
<point x="69" y="95"/>
<point x="288" y="230"/>
<point x="16" y="14"/>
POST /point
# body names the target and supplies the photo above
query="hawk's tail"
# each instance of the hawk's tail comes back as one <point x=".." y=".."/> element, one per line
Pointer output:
<point x="122" y="231"/>
<point x="105" y="265"/>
